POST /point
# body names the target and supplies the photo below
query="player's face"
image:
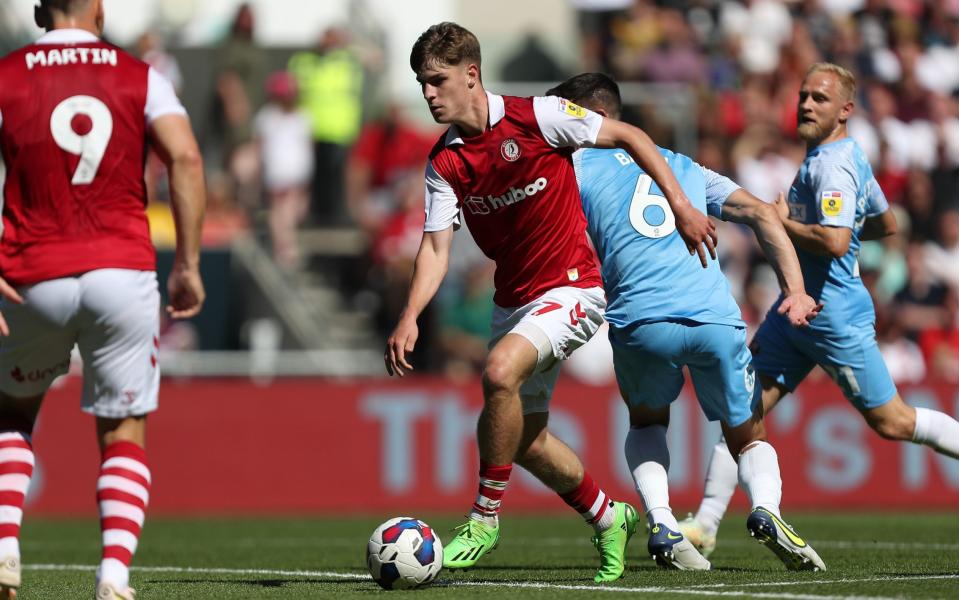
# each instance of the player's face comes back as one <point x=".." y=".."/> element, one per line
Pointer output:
<point x="446" y="90"/>
<point x="822" y="106"/>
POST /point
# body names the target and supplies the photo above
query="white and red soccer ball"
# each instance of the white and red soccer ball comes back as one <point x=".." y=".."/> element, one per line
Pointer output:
<point x="404" y="553"/>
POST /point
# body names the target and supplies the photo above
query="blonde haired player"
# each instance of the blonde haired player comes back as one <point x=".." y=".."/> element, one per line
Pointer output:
<point x="833" y="205"/>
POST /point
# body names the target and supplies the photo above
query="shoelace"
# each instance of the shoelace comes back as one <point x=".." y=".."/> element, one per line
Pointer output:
<point x="468" y="526"/>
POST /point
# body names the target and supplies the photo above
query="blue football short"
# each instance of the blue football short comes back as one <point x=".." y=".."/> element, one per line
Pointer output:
<point x="649" y="359"/>
<point x="850" y="355"/>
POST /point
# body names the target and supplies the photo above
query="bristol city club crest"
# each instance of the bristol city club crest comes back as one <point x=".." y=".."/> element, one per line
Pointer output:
<point x="509" y="149"/>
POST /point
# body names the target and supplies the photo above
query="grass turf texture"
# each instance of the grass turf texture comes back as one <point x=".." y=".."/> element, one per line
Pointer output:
<point x="884" y="555"/>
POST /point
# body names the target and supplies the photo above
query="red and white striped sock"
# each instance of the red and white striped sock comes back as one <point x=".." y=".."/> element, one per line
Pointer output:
<point x="16" y="468"/>
<point x="492" y="486"/>
<point x="591" y="503"/>
<point x="123" y="491"/>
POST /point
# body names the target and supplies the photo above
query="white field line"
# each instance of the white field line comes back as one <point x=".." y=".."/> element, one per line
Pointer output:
<point x="695" y="590"/>
<point x="661" y="590"/>
<point x="831" y="581"/>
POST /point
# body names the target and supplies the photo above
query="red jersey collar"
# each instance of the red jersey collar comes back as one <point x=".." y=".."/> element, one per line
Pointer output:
<point x="497" y="110"/>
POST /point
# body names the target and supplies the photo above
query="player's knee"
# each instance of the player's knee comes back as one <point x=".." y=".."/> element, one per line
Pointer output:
<point x="898" y="427"/>
<point x="499" y="377"/>
<point x="533" y="452"/>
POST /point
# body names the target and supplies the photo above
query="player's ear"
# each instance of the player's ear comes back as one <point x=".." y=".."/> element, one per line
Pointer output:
<point x="41" y="16"/>
<point x="846" y="111"/>
<point x="472" y="75"/>
<point x="99" y="18"/>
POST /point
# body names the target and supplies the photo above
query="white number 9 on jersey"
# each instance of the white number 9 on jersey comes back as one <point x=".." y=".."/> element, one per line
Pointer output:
<point x="642" y="200"/>
<point x="82" y="125"/>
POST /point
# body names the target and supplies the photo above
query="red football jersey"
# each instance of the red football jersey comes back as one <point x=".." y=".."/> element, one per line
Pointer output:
<point x="73" y="136"/>
<point x="517" y="190"/>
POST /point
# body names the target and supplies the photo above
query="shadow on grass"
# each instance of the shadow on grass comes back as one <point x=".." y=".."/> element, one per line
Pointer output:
<point x="491" y="569"/>
<point x="266" y="583"/>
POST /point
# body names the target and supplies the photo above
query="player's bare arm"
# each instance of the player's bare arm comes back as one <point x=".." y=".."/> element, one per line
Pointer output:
<point x="743" y="207"/>
<point x="429" y="269"/>
<point x="879" y="226"/>
<point x="695" y="227"/>
<point x="174" y="141"/>
<point x="816" y="239"/>
<point x="8" y="292"/>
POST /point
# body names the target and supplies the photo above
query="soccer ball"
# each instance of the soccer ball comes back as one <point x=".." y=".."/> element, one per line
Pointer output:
<point x="404" y="553"/>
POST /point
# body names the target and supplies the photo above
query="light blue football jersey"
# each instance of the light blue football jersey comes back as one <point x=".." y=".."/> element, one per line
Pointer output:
<point x="835" y="187"/>
<point x="648" y="273"/>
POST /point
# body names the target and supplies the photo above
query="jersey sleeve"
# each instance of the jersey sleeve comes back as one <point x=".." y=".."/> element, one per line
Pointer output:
<point x="718" y="189"/>
<point x="442" y="207"/>
<point x="835" y="190"/>
<point x="565" y="124"/>
<point x="876" y="202"/>
<point x="161" y="98"/>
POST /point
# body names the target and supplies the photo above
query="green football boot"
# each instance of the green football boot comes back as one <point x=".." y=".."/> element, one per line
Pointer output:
<point x="611" y="544"/>
<point x="473" y="540"/>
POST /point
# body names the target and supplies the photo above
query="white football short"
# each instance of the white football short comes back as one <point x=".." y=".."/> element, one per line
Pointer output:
<point x="112" y="315"/>
<point x="556" y="323"/>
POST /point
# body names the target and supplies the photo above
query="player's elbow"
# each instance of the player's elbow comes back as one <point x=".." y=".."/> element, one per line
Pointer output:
<point x="890" y="225"/>
<point x="837" y="247"/>
<point x="763" y="213"/>
<point x="187" y="158"/>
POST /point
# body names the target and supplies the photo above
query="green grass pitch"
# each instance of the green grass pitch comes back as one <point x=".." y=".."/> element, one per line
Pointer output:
<point x="868" y="556"/>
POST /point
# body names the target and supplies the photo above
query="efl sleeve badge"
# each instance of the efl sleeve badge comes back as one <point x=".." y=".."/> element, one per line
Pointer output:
<point x="831" y="203"/>
<point x="573" y="110"/>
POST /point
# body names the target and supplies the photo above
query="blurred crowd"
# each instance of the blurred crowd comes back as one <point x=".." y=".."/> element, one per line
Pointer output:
<point x="319" y="144"/>
<point x="746" y="60"/>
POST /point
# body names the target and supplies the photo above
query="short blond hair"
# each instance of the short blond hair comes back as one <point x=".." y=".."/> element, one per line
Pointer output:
<point x="847" y="81"/>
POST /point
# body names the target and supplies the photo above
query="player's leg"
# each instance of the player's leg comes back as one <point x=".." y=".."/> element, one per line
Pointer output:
<point x="865" y="381"/>
<point x="726" y="387"/>
<point x="556" y="465"/>
<point x="722" y="476"/>
<point x="649" y="380"/>
<point x="526" y="346"/>
<point x="31" y="357"/>
<point x="498" y="433"/>
<point x="123" y="492"/>
<point x="759" y="476"/>
<point x="896" y="420"/>
<point x="780" y="366"/>
<point x="17" y="417"/>
<point x="118" y="342"/>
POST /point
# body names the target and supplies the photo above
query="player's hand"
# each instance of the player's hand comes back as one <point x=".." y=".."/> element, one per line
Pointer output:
<point x="185" y="291"/>
<point x="400" y="342"/>
<point x="800" y="309"/>
<point x="9" y="293"/>
<point x="782" y="207"/>
<point x="697" y="231"/>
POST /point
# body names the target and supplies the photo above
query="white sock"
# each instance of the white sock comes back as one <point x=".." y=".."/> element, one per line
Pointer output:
<point x="492" y="521"/>
<point x="759" y="476"/>
<point x="937" y="430"/>
<point x="648" y="457"/>
<point x="721" y="478"/>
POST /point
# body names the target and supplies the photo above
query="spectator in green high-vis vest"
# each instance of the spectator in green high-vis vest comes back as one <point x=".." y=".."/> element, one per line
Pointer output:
<point x="330" y="80"/>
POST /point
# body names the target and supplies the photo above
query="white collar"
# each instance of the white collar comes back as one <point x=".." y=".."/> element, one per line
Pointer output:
<point x="67" y="36"/>
<point x="497" y="110"/>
